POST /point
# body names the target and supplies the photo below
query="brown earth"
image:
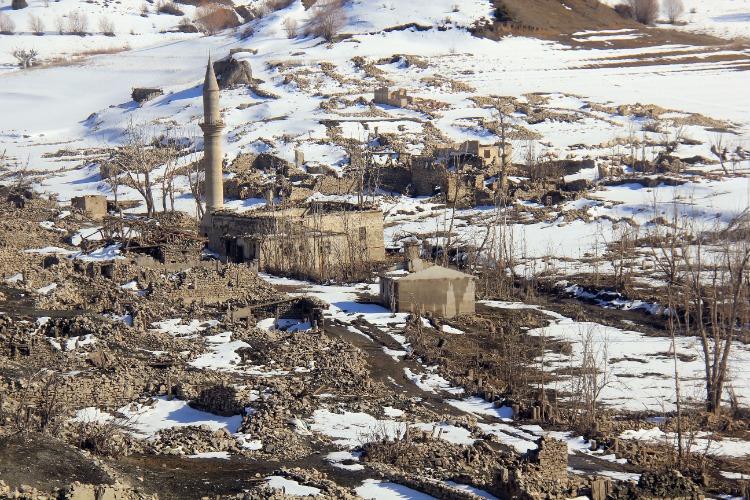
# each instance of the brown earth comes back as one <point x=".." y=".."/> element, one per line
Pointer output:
<point x="550" y="19"/>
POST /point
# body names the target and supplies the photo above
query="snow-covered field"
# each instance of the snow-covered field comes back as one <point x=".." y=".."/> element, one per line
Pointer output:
<point x="723" y="18"/>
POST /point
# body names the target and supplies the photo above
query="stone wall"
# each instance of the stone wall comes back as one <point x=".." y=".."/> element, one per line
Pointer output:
<point x="427" y="177"/>
<point x="552" y="457"/>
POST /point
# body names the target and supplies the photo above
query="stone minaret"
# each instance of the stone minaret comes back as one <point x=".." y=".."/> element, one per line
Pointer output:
<point x="211" y="127"/>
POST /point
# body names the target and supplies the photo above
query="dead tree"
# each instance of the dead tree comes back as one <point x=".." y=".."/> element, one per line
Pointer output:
<point x="25" y="57"/>
<point x="708" y="280"/>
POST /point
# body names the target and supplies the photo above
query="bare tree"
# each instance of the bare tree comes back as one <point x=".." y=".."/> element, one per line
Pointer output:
<point x="36" y="24"/>
<point x="327" y="19"/>
<point x="170" y="156"/>
<point x="594" y="374"/>
<point x="645" y="11"/>
<point x="25" y="57"/>
<point x="708" y="280"/>
<point x="138" y="159"/>
<point x="674" y="9"/>
<point x="720" y="150"/>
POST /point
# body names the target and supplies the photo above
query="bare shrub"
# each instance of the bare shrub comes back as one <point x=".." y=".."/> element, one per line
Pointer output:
<point x="645" y="11"/>
<point x="60" y="24"/>
<point x="265" y="8"/>
<point x="327" y="19"/>
<point x="78" y="23"/>
<point x="169" y="8"/>
<point x="212" y="18"/>
<point x="106" y="26"/>
<point x="144" y="9"/>
<point x="247" y="32"/>
<point x="25" y="57"/>
<point x="36" y="24"/>
<point x="625" y="10"/>
<point x="7" y="26"/>
<point x="673" y="9"/>
<point x="101" y="438"/>
<point x="291" y="28"/>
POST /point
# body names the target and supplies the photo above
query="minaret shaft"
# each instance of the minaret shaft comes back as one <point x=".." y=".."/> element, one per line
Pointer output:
<point x="212" y="155"/>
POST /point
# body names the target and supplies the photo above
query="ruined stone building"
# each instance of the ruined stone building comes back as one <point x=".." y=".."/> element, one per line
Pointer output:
<point x="94" y="204"/>
<point x="396" y="98"/>
<point x="313" y="239"/>
<point x="467" y="174"/>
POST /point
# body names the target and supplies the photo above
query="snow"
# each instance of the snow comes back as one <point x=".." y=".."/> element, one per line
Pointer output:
<point x="337" y="457"/>
<point x="392" y="412"/>
<point x="639" y="370"/>
<point x="174" y="327"/>
<point x="211" y="454"/>
<point x="724" y="18"/>
<point x="46" y="290"/>
<point x="350" y="429"/>
<point x="15" y="278"/>
<point x="478" y="406"/>
<point x="373" y="489"/>
<point x="431" y="382"/>
<point x="703" y="442"/>
<point x="291" y="487"/>
<point x="471" y="489"/>
<point x="145" y="420"/>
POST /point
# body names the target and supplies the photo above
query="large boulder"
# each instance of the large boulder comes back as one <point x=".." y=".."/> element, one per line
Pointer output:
<point x="18" y="4"/>
<point x="232" y="73"/>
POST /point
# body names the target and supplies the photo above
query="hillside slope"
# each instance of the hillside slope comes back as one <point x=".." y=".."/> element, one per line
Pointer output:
<point x="560" y="20"/>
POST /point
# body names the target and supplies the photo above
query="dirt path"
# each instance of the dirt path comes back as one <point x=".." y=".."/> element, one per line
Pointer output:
<point x="389" y="371"/>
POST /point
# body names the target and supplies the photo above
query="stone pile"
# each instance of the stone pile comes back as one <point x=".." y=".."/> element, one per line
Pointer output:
<point x="191" y="440"/>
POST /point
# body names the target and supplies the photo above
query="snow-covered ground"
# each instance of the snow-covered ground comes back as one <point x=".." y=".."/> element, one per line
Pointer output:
<point x="723" y="18"/>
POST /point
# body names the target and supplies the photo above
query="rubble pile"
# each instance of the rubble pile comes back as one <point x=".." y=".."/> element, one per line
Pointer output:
<point x="670" y="484"/>
<point x="191" y="440"/>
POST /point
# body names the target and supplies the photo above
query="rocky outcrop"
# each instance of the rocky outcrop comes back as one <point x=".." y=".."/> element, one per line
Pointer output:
<point x="233" y="73"/>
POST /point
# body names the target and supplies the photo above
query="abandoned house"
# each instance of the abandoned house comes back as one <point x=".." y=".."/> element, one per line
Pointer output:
<point x="396" y="98"/>
<point x="438" y="290"/>
<point x="317" y="240"/>
<point x="461" y="172"/>
<point x="429" y="288"/>
<point x="94" y="204"/>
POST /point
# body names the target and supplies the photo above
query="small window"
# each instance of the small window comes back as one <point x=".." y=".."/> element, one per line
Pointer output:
<point x="487" y="153"/>
<point x="363" y="234"/>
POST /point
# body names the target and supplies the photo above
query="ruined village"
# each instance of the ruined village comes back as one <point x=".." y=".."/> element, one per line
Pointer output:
<point x="342" y="250"/>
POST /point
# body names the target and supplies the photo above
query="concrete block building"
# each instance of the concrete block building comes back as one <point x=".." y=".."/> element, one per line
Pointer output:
<point x="441" y="291"/>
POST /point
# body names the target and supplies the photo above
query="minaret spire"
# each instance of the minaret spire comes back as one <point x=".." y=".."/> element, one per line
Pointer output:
<point x="212" y="126"/>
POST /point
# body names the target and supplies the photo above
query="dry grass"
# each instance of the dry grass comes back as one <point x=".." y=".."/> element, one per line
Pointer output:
<point x="100" y="51"/>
